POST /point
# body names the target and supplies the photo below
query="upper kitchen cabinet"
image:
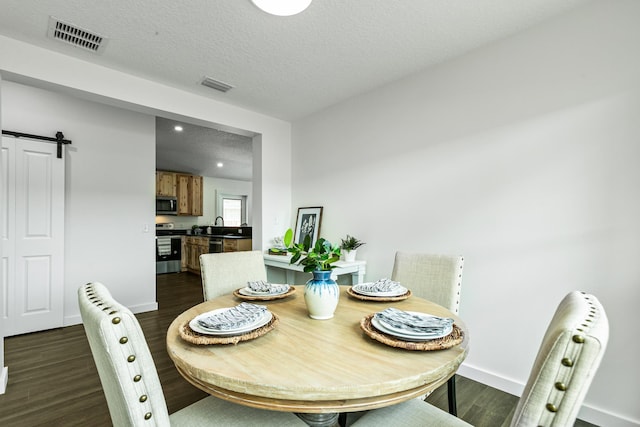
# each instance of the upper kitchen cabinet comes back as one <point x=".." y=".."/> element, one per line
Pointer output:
<point x="189" y="194"/>
<point x="165" y="184"/>
<point x="196" y="195"/>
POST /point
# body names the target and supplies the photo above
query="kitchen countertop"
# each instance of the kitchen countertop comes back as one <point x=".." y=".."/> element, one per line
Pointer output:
<point x="221" y="236"/>
<point x="216" y="236"/>
<point x="217" y="232"/>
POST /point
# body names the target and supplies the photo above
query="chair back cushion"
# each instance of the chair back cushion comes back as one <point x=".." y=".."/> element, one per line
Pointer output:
<point x="222" y="273"/>
<point x="125" y="366"/>
<point x="568" y="358"/>
<point x="437" y="278"/>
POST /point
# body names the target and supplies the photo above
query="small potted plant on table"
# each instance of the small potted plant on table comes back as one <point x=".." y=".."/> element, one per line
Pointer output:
<point x="349" y="246"/>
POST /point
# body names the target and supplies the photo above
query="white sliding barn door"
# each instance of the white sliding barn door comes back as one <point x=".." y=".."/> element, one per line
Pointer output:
<point x="33" y="236"/>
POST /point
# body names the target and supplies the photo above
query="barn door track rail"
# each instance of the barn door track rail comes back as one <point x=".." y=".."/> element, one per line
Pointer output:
<point x="59" y="139"/>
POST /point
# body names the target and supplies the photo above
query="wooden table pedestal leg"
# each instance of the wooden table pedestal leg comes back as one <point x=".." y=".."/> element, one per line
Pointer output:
<point x="320" y="420"/>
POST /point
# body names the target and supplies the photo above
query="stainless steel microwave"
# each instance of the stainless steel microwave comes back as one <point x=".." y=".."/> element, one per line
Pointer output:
<point x="166" y="206"/>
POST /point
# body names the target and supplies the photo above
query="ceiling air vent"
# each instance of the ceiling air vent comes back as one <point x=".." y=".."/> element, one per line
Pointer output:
<point x="215" y="84"/>
<point x="76" y="36"/>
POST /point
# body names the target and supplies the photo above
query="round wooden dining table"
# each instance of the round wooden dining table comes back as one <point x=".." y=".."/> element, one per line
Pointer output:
<point x="316" y="368"/>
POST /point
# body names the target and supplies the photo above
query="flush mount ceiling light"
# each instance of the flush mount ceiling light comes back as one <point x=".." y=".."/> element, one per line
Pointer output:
<point x="282" y="7"/>
<point x="220" y="164"/>
<point x="177" y="128"/>
<point x="215" y="84"/>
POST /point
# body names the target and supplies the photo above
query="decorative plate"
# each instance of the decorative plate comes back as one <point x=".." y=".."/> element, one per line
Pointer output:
<point x="193" y="337"/>
<point x="454" y="338"/>
<point x="196" y="327"/>
<point x="363" y="289"/>
<point x="356" y="295"/>
<point x="236" y="293"/>
<point x="406" y="335"/>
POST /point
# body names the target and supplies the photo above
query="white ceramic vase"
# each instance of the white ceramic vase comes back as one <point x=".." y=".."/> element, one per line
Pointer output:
<point x="321" y="294"/>
<point x="349" y="256"/>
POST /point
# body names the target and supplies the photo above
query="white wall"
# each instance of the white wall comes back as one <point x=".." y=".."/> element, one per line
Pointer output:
<point x="3" y="369"/>
<point x="522" y="156"/>
<point x="109" y="187"/>
<point x="272" y="144"/>
<point x="103" y="163"/>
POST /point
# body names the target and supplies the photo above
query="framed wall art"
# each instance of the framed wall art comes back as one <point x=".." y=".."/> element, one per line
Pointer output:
<point x="308" y="223"/>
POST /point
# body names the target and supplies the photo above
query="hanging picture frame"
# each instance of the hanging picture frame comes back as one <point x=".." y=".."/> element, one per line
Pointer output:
<point x="308" y="223"/>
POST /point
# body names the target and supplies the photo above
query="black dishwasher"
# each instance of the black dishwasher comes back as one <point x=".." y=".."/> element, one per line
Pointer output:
<point x="215" y="245"/>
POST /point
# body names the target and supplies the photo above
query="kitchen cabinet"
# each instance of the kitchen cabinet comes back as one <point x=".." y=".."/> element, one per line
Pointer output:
<point x="166" y="184"/>
<point x="183" y="252"/>
<point x="185" y="187"/>
<point x="184" y="198"/>
<point x="196" y="195"/>
<point x="189" y="194"/>
<point x="194" y="247"/>
<point x="235" y="245"/>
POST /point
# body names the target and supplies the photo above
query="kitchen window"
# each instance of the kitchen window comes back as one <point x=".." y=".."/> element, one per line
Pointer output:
<point x="232" y="208"/>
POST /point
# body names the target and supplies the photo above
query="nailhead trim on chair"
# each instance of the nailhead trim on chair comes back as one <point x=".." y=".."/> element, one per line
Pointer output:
<point x="123" y="340"/>
<point x="565" y="372"/>
<point x="459" y="284"/>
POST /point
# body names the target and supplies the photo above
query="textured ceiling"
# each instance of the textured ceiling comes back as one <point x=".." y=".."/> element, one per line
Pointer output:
<point x="285" y="67"/>
<point x="197" y="150"/>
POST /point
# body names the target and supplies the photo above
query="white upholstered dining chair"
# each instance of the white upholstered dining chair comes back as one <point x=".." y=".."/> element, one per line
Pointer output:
<point x="437" y="278"/>
<point x="223" y="273"/>
<point x="130" y="380"/>
<point x="567" y="361"/>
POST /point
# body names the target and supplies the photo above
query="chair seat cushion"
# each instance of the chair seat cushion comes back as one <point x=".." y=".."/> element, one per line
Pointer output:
<point x="212" y="411"/>
<point x="413" y="413"/>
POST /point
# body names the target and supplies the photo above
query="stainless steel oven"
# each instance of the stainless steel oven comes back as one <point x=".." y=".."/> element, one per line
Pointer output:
<point x="168" y="254"/>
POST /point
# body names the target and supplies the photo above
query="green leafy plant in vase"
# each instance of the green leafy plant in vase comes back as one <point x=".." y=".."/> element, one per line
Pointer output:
<point x="317" y="257"/>
<point x="349" y="246"/>
<point x="321" y="293"/>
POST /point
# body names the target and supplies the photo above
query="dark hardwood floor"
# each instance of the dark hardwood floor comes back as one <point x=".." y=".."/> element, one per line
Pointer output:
<point x="53" y="380"/>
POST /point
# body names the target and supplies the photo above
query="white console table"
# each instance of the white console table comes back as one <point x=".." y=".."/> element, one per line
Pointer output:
<point x="355" y="268"/>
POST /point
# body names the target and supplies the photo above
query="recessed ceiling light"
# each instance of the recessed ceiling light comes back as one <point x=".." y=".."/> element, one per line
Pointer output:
<point x="177" y="128"/>
<point x="282" y="7"/>
<point x="220" y="164"/>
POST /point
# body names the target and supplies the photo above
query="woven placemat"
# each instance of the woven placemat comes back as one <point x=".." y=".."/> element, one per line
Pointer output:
<point x="189" y="335"/>
<point x="356" y="295"/>
<point x="454" y="338"/>
<point x="237" y="293"/>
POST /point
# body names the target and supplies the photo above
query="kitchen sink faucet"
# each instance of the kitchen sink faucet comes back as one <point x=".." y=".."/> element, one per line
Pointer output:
<point x="216" y="221"/>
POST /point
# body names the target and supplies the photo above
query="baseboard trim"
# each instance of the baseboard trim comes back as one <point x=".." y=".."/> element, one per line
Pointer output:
<point x="587" y="413"/>
<point x="141" y="308"/>
<point x="496" y="381"/>
<point x="4" y="378"/>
